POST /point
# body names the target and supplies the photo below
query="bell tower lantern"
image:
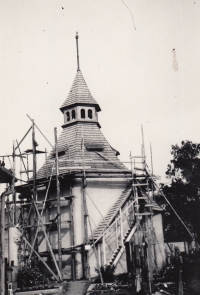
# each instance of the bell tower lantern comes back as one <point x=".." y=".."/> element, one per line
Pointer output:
<point x="80" y="106"/>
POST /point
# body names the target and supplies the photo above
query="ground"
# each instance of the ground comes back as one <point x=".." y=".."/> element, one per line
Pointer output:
<point x="192" y="275"/>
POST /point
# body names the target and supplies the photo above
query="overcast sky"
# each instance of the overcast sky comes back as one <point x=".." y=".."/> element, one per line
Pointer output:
<point x="146" y="76"/>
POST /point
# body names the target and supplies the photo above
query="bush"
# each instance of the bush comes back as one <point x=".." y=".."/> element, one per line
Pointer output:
<point x="28" y="276"/>
<point x="107" y="272"/>
<point x="124" y="278"/>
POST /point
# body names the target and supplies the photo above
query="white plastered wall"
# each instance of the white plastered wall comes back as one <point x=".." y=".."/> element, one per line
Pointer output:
<point x="101" y="194"/>
<point x="159" y="246"/>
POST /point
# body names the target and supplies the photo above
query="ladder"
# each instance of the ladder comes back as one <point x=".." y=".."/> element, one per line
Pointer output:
<point x="123" y="220"/>
<point x="144" y="214"/>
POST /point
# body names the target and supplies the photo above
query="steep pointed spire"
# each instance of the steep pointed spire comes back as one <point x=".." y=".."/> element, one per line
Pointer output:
<point x="81" y="120"/>
<point x="78" y="65"/>
<point x="79" y="94"/>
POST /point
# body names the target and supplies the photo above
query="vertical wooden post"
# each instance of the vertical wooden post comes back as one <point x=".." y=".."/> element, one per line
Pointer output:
<point x="46" y="163"/>
<point x="47" y="215"/>
<point x="148" y="222"/>
<point x="34" y="162"/>
<point x="99" y="254"/>
<point x="131" y="164"/>
<point x="33" y="216"/>
<point x="84" y="194"/>
<point x="72" y="235"/>
<point x="148" y="253"/>
<point x="116" y="233"/>
<point x="2" y="244"/>
<point x="151" y="160"/>
<point x="12" y="186"/>
<point x="0" y="240"/>
<point x="20" y="171"/>
<point x="128" y="256"/>
<point x="104" y="250"/>
<point x="143" y="149"/>
<point x="85" y="229"/>
<point x="85" y="211"/>
<point x="121" y="226"/>
<point x="27" y="162"/>
<point x="58" y="204"/>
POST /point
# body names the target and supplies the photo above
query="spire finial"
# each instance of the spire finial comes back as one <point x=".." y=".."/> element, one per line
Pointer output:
<point x="78" y="67"/>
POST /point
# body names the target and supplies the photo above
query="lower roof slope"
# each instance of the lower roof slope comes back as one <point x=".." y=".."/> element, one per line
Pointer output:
<point x="99" y="156"/>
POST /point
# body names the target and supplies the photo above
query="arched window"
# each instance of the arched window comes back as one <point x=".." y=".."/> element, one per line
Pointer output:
<point x="68" y="116"/>
<point x="90" y="114"/>
<point x="73" y="115"/>
<point x="82" y="114"/>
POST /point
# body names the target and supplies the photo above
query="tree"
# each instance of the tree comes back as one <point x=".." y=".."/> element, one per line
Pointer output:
<point x="184" y="191"/>
<point x="185" y="165"/>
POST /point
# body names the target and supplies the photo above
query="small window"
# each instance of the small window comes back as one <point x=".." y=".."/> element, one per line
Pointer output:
<point x="82" y="114"/>
<point x="73" y="115"/>
<point x="90" y="114"/>
<point x="68" y="116"/>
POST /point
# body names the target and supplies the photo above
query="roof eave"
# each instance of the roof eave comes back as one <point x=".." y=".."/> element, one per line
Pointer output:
<point x="65" y="107"/>
<point x="80" y="121"/>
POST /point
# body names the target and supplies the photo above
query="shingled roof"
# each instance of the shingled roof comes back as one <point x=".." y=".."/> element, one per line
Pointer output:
<point x="81" y="135"/>
<point x="79" y="94"/>
<point x="101" y="158"/>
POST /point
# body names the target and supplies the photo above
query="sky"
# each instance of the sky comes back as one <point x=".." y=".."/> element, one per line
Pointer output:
<point x="140" y="60"/>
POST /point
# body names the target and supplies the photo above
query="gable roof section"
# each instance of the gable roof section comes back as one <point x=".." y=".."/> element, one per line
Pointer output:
<point x="79" y="94"/>
<point x="71" y="143"/>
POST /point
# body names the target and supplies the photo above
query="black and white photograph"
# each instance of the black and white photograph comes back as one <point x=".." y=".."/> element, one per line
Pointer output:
<point x="99" y="147"/>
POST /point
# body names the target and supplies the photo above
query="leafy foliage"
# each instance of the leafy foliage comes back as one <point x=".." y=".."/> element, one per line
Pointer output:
<point x="118" y="284"/>
<point x="28" y="276"/>
<point x="183" y="192"/>
<point x="107" y="272"/>
<point x="124" y="278"/>
<point x="185" y="164"/>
